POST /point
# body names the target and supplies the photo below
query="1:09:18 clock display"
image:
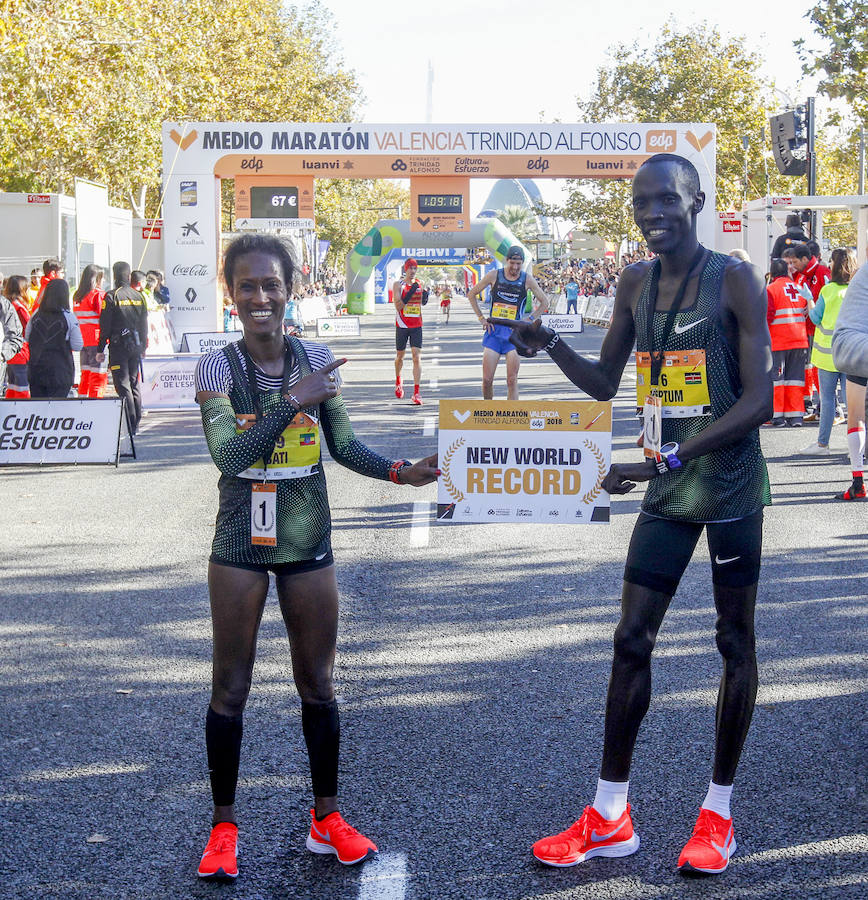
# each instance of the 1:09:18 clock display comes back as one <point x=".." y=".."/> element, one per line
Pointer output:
<point x="441" y="203"/>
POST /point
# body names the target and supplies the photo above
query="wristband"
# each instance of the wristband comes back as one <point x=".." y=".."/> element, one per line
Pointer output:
<point x="395" y="469"/>
<point x="555" y="339"/>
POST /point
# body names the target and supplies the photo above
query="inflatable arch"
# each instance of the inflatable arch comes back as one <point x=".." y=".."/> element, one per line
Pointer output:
<point x="391" y="234"/>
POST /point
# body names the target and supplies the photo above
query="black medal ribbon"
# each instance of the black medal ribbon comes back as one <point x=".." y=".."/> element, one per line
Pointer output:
<point x="254" y="387"/>
<point x="657" y="355"/>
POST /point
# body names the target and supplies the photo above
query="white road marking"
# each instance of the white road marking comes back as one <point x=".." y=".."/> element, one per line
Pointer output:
<point x="429" y="425"/>
<point x="385" y="877"/>
<point x="419" y="524"/>
<point x="433" y="381"/>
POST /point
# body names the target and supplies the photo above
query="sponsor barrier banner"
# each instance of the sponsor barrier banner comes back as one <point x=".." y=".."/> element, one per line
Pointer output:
<point x="339" y="326"/>
<point x="571" y="324"/>
<point x="170" y="381"/>
<point x="206" y="341"/>
<point x="524" y="461"/>
<point x="160" y="338"/>
<point x="60" y="432"/>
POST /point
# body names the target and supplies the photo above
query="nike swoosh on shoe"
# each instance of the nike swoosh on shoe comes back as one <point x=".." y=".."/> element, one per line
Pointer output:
<point x="596" y="838"/>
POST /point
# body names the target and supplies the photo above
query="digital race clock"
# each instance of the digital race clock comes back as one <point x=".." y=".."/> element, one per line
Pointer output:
<point x="441" y="203"/>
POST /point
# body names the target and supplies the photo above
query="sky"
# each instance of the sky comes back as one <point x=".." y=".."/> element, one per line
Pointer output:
<point x="530" y="61"/>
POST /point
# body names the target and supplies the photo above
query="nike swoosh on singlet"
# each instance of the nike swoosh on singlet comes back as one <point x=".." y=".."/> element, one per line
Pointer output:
<point x="723" y="562"/>
<point x="680" y="329"/>
<point x="596" y="838"/>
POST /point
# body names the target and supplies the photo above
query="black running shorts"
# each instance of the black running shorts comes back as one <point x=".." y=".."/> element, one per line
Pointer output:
<point x="413" y="335"/>
<point x="288" y="568"/>
<point x="858" y="379"/>
<point x="660" y="550"/>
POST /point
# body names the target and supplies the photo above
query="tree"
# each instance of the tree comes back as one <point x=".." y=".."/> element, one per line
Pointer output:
<point x="690" y="76"/>
<point x="519" y="220"/>
<point x="842" y="26"/>
<point x="347" y="209"/>
<point x="86" y="84"/>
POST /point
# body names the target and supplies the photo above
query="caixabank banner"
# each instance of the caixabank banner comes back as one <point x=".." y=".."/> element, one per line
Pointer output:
<point x="524" y="461"/>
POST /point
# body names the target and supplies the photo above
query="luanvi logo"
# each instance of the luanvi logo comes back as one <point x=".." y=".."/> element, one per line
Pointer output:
<point x="183" y="141"/>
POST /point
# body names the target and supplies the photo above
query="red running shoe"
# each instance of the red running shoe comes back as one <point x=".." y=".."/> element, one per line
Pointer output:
<point x="591" y="836"/>
<point x="220" y="859"/>
<point x="333" y="835"/>
<point x="709" y="849"/>
<point x="853" y="493"/>
<point x="416" y="398"/>
<point x="399" y="390"/>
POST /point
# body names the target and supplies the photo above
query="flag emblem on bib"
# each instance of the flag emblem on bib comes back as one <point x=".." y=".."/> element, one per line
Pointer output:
<point x="693" y="377"/>
<point x="307" y="439"/>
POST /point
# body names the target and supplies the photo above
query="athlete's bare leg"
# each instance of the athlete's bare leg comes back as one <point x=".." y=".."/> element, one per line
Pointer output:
<point x="309" y="604"/>
<point x="738" y="684"/>
<point x="512" y="365"/>
<point x="417" y="365"/>
<point x="642" y="612"/>
<point x="490" y="359"/>
<point x="399" y="362"/>
<point x="237" y="600"/>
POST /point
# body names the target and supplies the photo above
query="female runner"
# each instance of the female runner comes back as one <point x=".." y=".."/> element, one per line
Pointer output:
<point x="262" y="401"/>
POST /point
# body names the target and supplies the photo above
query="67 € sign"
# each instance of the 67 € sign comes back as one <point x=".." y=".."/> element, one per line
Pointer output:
<point x="524" y="461"/>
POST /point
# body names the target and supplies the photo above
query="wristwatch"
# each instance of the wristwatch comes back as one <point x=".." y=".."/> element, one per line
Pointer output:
<point x="669" y="454"/>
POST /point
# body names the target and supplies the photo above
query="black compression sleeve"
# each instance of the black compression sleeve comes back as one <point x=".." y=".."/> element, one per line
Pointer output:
<point x="345" y="447"/>
<point x="233" y="453"/>
<point x="322" y="734"/>
<point x="223" y="743"/>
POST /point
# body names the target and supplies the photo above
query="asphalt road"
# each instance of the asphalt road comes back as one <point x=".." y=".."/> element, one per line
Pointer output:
<point x="472" y="668"/>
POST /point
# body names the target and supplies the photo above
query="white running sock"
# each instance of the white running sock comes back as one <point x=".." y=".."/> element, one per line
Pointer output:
<point x="611" y="799"/>
<point x="856" y="446"/>
<point x="717" y="799"/>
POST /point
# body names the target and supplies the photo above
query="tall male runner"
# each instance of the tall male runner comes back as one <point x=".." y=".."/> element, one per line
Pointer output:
<point x="507" y="298"/>
<point x="408" y="297"/>
<point x="698" y="319"/>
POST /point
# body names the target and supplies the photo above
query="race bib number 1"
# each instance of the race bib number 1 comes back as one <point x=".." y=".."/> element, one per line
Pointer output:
<point x="263" y="515"/>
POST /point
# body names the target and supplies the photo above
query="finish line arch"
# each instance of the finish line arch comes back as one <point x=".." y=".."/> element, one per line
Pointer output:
<point x="393" y="234"/>
<point x="439" y="160"/>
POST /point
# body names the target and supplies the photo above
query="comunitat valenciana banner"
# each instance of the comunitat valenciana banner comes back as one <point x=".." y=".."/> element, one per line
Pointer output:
<point x="170" y="381"/>
<point x="59" y="432"/>
<point x="524" y="461"/>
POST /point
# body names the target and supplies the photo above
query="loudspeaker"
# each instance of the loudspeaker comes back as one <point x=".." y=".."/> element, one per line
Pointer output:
<point x="786" y="139"/>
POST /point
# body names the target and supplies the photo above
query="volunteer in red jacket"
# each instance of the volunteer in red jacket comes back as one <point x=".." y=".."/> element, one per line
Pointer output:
<point x="17" y="385"/>
<point x="409" y="297"/>
<point x="806" y="269"/>
<point x="87" y="304"/>
<point x="787" y="310"/>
